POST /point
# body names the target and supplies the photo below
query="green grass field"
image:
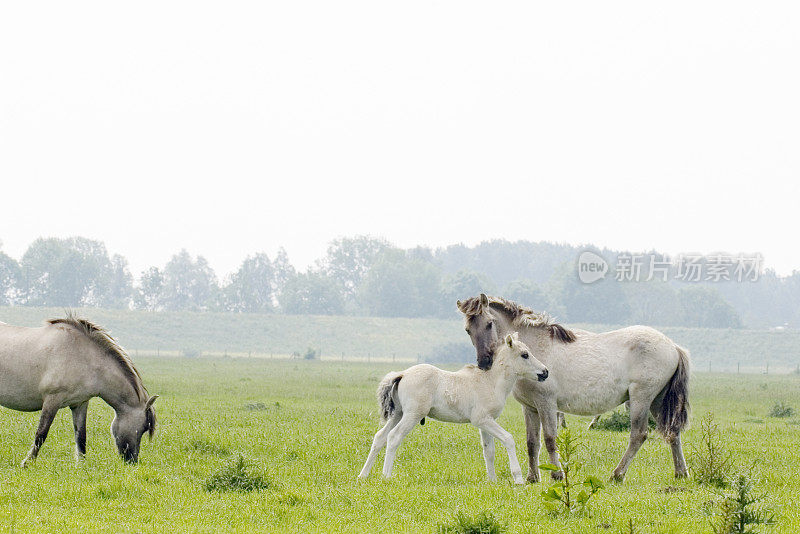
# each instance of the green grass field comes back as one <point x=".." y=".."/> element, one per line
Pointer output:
<point x="305" y="427"/>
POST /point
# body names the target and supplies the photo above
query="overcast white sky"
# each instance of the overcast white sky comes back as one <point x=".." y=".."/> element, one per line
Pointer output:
<point x="229" y="128"/>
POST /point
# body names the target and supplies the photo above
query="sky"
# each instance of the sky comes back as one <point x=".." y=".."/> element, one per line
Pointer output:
<point x="231" y="128"/>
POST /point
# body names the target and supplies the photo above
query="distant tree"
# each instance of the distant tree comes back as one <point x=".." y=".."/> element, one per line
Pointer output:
<point x="119" y="294"/>
<point x="189" y="284"/>
<point x="311" y="293"/>
<point x="401" y="286"/>
<point x="653" y="303"/>
<point x="527" y="293"/>
<point x="66" y="272"/>
<point x="250" y="289"/>
<point x="150" y="293"/>
<point x="703" y="306"/>
<point x="348" y="260"/>
<point x="282" y="270"/>
<point x="10" y="279"/>
<point x="600" y="302"/>
<point x="462" y="285"/>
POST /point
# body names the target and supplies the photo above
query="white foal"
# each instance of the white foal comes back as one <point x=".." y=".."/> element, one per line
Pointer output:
<point x="469" y="395"/>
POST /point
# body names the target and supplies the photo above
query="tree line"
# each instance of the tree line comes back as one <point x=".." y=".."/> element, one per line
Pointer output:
<point x="368" y="276"/>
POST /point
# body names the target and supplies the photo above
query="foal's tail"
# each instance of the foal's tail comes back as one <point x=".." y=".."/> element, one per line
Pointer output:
<point x="674" y="414"/>
<point x="386" y="394"/>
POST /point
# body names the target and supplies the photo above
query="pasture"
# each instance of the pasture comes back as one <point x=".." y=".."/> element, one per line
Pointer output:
<point x="305" y="428"/>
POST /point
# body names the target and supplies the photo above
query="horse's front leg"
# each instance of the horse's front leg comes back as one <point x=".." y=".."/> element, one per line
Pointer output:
<point x="491" y="427"/>
<point x="532" y="433"/>
<point x="79" y="424"/>
<point x="487" y="442"/>
<point x="549" y="418"/>
<point x="49" y="410"/>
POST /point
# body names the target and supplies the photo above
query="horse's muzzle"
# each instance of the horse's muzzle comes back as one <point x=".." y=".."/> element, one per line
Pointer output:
<point x="541" y="377"/>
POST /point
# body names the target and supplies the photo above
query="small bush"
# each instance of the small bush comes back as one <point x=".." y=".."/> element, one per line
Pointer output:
<point x="191" y="353"/>
<point x="312" y="354"/>
<point x="484" y="523"/>
<point x="740" y="511"/>
<point x="620" y="421"/>
<point x="781" y="410"/>
<point x="236" y="477"/>
<point x="711" y="463"/>
<point x="566" y="495"/>
<point x="452" y="353"/>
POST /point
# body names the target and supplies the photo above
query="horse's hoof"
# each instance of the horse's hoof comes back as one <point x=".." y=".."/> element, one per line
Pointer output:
<point x="557" y="475"/>
<point x="533" y="479"/>
<point x="25" y="463"/>
<point x="519" y="481"/>
<point x="682" y="474"/>
<point x="617" y="479"/>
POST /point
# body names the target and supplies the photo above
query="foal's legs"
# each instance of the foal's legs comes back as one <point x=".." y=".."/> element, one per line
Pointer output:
<point x="49" y="410"/>
<point x="532" y="432"/>
<point x="379" y="442"/>
<point x="396" y="436"/>
<point x="491" y="427"/>
<point x="487" y="441"/>
<point x="639" y="410"/>
<point x="79" y="423"/>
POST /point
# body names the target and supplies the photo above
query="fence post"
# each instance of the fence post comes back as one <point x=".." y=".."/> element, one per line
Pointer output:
<point x="738" y="364"/>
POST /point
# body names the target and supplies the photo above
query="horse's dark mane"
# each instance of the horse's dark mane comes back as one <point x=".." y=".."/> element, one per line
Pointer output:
<point x="519" y="315"/>
<point x="109" y="345"/>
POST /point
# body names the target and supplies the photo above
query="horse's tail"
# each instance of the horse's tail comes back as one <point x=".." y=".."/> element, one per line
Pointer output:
<point x="386" y="394"/>
<point x="674" y="414"/>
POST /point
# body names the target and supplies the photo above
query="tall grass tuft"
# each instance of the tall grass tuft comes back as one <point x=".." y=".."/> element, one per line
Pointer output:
<point x="740" y="512"/>
<point x="236" y="477"/>
<point x="711" y="463"/>
<point x="781" y="409"/>
<point x="483" y="523"/>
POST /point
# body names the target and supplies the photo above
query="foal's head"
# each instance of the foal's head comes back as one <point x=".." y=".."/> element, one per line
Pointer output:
<point x="129" y="425"/>
<point x="516" y="354"/>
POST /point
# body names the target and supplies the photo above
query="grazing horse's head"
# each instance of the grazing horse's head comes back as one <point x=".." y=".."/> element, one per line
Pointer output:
<point x="129" y="425"/>
<point x="482" y="328"/>
<point x="516" y="354"/>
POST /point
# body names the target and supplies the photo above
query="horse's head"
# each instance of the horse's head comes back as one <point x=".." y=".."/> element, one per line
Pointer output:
<point x="516" y="354"/>
<point x="481" y="325"/>
<point x="130" y="424"/>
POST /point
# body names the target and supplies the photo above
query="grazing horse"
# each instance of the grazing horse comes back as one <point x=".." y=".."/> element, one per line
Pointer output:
<point x="589" y="374"/>
<point x="465" y="396"/>
<point x="64" y="363"/>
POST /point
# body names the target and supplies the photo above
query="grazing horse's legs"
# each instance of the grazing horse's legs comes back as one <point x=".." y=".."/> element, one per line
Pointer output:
<point x="379" y="442"/>
<point x="639" y="410"/>
<point x="49" y="410"/>
<point x="487" y="441"/>
<point x="674" y="444"/>
<point x="396" y="436"/>
<point x="491" y="427"/>
<point x="79" y="423"/>
<point x="549" y="420"/>
<point x="532" y="432"/>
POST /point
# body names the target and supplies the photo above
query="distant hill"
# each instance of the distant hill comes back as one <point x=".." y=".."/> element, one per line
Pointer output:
<point x="380" y="338"/>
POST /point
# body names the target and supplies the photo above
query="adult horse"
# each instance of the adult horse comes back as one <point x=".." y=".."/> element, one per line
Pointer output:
<point x="589" y="374"/>
<point x="64" y="363"/>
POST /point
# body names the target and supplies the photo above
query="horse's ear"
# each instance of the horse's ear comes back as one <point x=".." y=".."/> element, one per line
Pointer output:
<point x="515" y="335"/>
<point x="484" y="300"/>
<point x="510" y="340"/>
<point x="458" y="305"/>
<point x="151" y="401"/>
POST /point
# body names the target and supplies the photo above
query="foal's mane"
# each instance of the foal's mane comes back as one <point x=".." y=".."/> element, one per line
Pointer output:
<point x="109" y="345"/>
<point x="520" y="316"/>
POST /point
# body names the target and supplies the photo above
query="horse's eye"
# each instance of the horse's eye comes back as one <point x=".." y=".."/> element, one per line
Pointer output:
<point x="466" y="330"/>
<point x="489" y="326"/>
<point x="524" y="355"/>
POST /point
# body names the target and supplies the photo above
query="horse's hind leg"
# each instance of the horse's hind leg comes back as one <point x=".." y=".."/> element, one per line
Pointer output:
<point x="396" y="436"/>
<point x="487" y="442"/>
<point x="639" y="411"/>
<point x="45" y="420"/>
<point x="79" y="423"/>
<point x="379" y="442"/>
<point x="532" y="433"/>
<point x="675" y="446"/>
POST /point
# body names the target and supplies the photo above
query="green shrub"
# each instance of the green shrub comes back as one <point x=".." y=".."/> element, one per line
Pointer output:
<point x="740" y="511"/>
<point x="236" y="477"/>
<point x="620" y="421"/>
<point x="484" y="523"/>
<point x="566" y="495"/>
<point x="711" y="463"/>
<point x="781" y="409"/>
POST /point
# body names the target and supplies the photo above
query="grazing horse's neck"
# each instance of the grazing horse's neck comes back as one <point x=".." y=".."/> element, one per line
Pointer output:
<point x="117" y="390"/>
